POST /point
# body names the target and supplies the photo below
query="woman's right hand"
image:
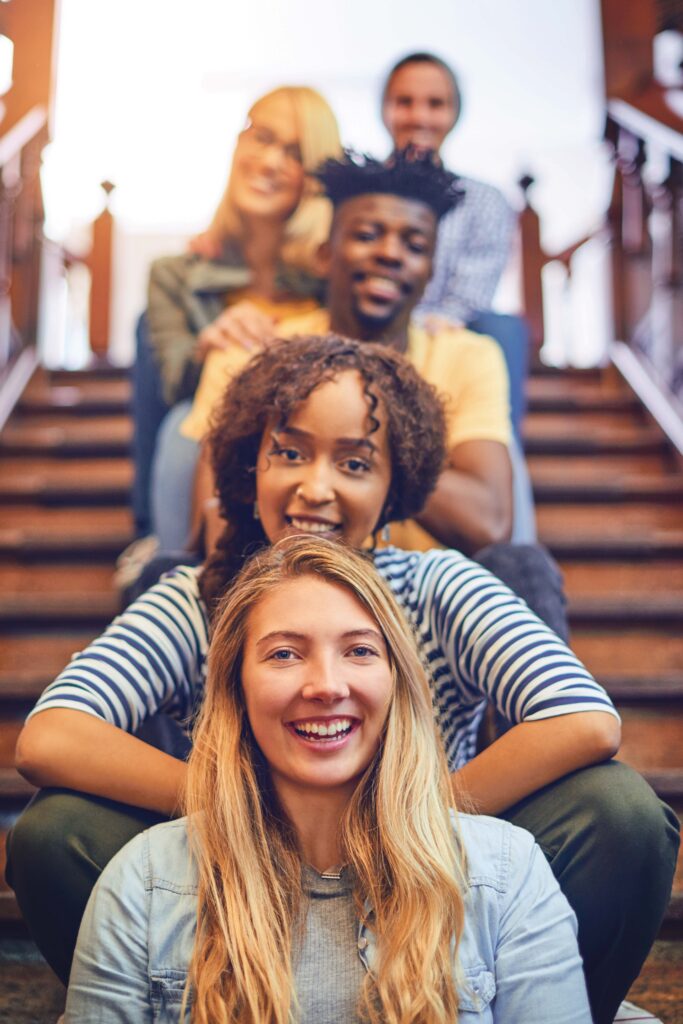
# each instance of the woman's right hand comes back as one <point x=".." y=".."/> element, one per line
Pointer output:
<point x="243" y="324"/>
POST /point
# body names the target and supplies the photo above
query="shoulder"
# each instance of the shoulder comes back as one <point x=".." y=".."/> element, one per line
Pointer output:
<point x="422" y="571"/>
<point x="496" y="851"/>
<point x="481" y="194"/>
<point x="171" y="267"/>
<point x="168" y="860"/>
<point x="315" y="322"/>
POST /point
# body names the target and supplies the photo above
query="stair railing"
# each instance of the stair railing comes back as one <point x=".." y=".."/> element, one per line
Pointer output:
<point x="645" y="221"/>
<point x="21" y="242"/>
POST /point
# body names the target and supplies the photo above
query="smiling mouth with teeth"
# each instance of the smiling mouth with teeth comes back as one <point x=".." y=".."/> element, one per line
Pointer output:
<point x="313" y="525"/>
<point x="319" y="732"/>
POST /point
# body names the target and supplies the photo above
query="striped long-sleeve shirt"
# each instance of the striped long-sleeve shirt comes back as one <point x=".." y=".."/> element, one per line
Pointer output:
<point x="478" y="640"/>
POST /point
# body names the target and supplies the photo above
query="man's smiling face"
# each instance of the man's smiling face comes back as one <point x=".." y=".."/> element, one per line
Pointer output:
<point x="379" y="260"/>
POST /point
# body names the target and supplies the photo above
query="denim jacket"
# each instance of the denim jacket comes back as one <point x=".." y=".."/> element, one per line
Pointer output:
<point x="518" y="951"/>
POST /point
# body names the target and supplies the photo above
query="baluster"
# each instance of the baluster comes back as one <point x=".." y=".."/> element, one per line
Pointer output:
<point x="533" y="260"/>
<point x="100" y="264"/>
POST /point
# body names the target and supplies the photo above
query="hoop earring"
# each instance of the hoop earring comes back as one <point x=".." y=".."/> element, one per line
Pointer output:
<point x="256" y="513"/>
<point x="386" y="533"/>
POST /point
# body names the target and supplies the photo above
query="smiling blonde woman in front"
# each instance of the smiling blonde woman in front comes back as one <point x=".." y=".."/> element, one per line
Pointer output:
<point x="320" y="875"/>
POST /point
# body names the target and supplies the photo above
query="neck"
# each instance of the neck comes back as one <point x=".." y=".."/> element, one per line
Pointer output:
<point x="262" y="246"/>
<point x="343" y="321"/>
<point x="316" y="818"/>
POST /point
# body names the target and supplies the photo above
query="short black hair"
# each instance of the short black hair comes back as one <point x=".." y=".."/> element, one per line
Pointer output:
<point x="408" y="173"/>
<point x="424" y="57"/>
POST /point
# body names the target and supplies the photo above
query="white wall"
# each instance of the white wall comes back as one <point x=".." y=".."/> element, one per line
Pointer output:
<point x="151" y="94"/>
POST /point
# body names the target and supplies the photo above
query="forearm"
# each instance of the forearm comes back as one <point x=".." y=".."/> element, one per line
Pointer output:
<point x="76" y="750"/>
<point x="465" y="513"/>
<point x="533" y="754"/>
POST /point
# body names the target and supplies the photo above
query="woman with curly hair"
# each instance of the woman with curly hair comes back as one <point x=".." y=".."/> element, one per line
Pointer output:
<point x="334" y="438"/>
<point x="320" y="876"/>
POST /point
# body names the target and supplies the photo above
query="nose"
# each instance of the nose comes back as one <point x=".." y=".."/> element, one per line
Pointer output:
<point x="315" y="485"/>
<point x="325" y="681"/>
<point x="389" y="251"/>
<point x="273" y="157"/>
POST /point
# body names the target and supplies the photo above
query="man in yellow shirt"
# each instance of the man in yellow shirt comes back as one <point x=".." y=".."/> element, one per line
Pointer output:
<point x="378" y="261"/>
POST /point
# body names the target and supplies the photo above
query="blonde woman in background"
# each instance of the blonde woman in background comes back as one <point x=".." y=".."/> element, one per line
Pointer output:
<point x="320" y="876"/>
<point x="254" y="266"/>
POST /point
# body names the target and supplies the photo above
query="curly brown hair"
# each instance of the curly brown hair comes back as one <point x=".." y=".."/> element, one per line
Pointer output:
<point x="273" y="384"/>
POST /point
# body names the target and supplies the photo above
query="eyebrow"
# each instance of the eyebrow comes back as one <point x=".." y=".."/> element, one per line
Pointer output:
<point x="351" y="442"/>
<point x="289" y="634"/>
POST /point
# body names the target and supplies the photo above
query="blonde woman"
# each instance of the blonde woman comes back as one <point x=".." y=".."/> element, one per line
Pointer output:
<point x="319" y="875"/>
<point x="254" y="266"/>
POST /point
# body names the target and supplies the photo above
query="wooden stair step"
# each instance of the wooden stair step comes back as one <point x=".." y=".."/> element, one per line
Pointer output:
<point x="569" y="374"/>
<point x="663" y="609"/>
<point x="652" y="739"/>
<point x="619" y="579"/>
<point x="89" y="397"/>
<point x="607" y="425"/>
<point x="49" y="653"/>
<point x="30" y="531"/>
<point x="647" y="440"/>
<point x="667" y="783"/>
<point x="632" y="653"/>
<point x="86" y="437"/>
<point x="632" y="519"/>
<point x="69" y="483"/>
<point x="62" y="520"/>
<point x="97" y="369"/>
<point x="637" y="689"/>
<point x="566" y="544"/>
<point x="560" y="487"/>
<point x="556" y="394"/>
<point x="64" y="577"/>
<point x="595" y="468"/>
<point x="28" y="610"/>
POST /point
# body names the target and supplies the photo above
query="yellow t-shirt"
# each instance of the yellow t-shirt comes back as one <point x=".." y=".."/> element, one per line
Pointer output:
<point x="467" y="369"/>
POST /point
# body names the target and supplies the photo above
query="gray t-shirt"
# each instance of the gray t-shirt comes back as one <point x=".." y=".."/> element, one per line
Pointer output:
<point x="328" y="970"/>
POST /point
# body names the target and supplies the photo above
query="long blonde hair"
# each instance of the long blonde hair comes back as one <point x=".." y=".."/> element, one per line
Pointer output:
<point x="309" y="225"/>
<point x="396" y="833"/>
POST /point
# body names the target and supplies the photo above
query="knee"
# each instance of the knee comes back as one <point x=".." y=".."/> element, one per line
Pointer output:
<point x="37" y="846"/>
<point x="626" y="819"/>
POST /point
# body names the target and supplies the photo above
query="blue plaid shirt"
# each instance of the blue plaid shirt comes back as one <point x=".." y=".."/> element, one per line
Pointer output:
<point x="471" y="252"/>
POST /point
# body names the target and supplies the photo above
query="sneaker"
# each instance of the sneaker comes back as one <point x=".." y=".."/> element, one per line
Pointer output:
<point x="631" y="1013"/>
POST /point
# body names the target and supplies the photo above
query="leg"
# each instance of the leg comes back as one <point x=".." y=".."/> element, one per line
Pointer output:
<point x="531" y="573"/>
<point x="55" y="854"/>
<point x="149" y="409"/>
<point x="175" y="461"/>
<point x="612" y="845"/>
<point x="523" y="511"/>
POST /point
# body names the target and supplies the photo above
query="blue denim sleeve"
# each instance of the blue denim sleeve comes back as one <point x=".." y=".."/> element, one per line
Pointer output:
<point x="539" y="973"/>
<point x="109" y="980"/>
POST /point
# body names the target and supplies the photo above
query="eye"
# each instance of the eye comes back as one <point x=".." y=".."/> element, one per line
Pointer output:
<point x="363" y="651"/>
<point x="417" y="246"/>
<point x="364" y="234"/>
<point x="287" y="454"/>
<point x="282" y="654"/>
<point x="356" y="466"/>
<point x="436" y="103"/>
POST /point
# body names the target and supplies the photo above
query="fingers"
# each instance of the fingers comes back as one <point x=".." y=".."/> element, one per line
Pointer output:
<point x="244" y="324"/>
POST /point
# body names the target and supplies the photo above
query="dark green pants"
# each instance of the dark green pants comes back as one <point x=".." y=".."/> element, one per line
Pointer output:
<point x="611" y="844"/>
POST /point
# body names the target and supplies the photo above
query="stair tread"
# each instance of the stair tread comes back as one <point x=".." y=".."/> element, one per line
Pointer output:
<point x="633" y="652"/>
<point x="652" y="738"/>
<point x="66" y="578"/>
<point x="23" y="608"/>
<point x="632" y="519"/>
<point x="595" y="466"/>
<point x="93" y="397"/>
<point x="28" y="518"/>
<point x="623" y="578"/>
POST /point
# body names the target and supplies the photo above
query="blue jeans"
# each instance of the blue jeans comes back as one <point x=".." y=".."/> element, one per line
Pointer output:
<point x="173" y="469"/>
<point x="149" y="409"/>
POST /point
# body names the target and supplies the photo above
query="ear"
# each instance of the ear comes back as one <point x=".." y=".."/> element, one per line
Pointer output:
<point x="323" y="259"/>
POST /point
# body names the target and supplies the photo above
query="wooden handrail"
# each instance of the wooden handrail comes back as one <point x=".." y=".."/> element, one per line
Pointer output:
<point x="666" y="135"/>
<point x="13" y="141"/>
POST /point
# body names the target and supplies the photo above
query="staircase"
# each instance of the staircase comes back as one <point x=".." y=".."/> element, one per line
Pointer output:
<point x="610" y="508"/>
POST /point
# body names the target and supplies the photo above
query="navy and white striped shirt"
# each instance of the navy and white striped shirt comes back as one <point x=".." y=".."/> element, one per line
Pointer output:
<point x="479" y="641"/>
<point x="472" y="248"/>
